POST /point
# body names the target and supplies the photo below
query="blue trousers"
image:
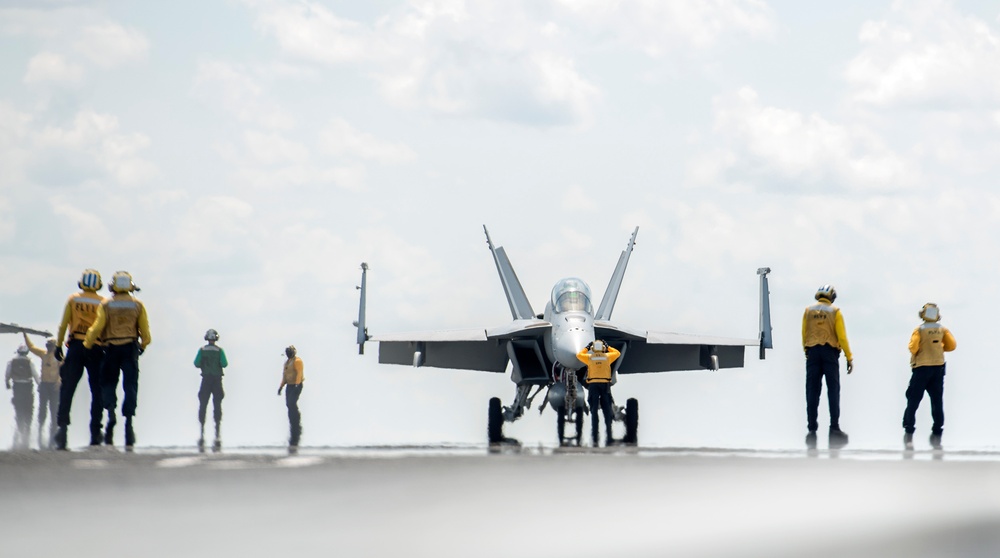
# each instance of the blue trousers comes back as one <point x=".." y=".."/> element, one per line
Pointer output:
<point x="292" y="393"/>
<point x="120" y="361"/>
<point x="822" y="362"/>
<point x="77" y="359"/>
<point x="931" y="380"/>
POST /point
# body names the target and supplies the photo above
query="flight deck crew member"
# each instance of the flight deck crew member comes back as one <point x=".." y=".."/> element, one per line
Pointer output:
<point x="122" y="324"/>
<point x="48" y="387"/>
<point x="599" y="357"/>
<point x="21" y="375"/>
<point x="211" y="359"/>
<point x="292" y="377"/>
<point x="928" y="344"/>
<point x="78" y="316"/>
<point x="823" y="337"/>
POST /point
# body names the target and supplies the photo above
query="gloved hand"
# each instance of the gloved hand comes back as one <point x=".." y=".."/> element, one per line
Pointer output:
<point x="141" y="349"/>
<point x="850" y="366"/>
<point x="590" y="346"/>
<point x="59" y="354"/>
<point x="279" y="390"/>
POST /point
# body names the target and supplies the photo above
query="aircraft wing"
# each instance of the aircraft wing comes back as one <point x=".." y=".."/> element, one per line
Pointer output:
<point x="14" y="328"/>
<point x="655" y="351"/>
<point x="463" y="349"/>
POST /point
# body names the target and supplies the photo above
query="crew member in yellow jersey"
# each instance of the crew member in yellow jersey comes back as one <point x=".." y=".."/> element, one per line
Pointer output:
<point x="48" y="386"/>
<point x="823" y="337"/>
<point x="79" y="315"/>
<point x="928" y="344"/>
<point x="599" y="357"/>
<point x="291" y="382"/>
<point x="122" y="325"/>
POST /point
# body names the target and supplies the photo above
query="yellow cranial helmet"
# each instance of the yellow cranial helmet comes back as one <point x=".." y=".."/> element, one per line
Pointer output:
<point x="90" y="280"/>
<point x="930" y="313"/>
<point x="121" y="282"/>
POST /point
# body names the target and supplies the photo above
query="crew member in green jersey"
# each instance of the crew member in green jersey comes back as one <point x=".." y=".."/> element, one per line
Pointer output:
<point x="211" y="359"/>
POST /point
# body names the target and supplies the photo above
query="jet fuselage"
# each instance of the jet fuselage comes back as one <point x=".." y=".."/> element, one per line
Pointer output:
<point x="571" y="314"/>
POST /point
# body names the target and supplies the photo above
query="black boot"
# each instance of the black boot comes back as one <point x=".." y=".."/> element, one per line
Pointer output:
<point x="129" y="434"/>
<point x="109" y="432"/>
<point x="908" y="441"/>
<point x="935" y="440"/>
<point x="838" y="438"/>
<point x="95" y="435"/>
<point x="61" y="438"/>
<point x="217" y="446"/>
<point x="811" y="440"/>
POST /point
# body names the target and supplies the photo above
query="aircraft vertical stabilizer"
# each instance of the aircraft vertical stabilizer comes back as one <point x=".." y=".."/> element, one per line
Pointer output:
<point x="611" y="294"/>
<point x="520" y="308"/>
<point x="765" y="311"/>
<point x="360" y="323"/>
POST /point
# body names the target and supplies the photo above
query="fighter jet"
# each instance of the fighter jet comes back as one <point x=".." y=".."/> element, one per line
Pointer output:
<point x="541" y="349"/>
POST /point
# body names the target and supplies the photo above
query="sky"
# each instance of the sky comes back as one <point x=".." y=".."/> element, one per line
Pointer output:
<point x="242" y="158"/>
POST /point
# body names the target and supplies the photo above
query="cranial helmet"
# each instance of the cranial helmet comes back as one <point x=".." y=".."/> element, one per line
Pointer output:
<point x="51" y="342"/>
<point x="90" y="280"/>
<point x="290" y="351"/>
<point x="121" y="282"/>
<point x="600" y="346"/>
<point x="930" y="313"/>
<point x="211" y="335"/>
<point x="22" y="350"/>
<point x="827" y="292"/>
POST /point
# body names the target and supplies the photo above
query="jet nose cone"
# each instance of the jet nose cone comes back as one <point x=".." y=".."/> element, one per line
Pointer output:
<point x="571" y="344"/>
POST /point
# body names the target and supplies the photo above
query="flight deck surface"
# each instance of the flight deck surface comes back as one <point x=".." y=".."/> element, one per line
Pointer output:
<point x="513" y="501"/>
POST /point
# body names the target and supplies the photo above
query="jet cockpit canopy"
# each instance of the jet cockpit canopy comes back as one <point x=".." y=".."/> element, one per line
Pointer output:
<point x="571" y="295"/>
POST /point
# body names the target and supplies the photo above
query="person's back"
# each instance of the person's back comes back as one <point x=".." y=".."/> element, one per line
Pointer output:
<point x="123" y="326"/>
<point x="21" y="378"/>
<point x="79" y="314"/>
<point x="928" y="344"/>
<point x="211" y="360"/>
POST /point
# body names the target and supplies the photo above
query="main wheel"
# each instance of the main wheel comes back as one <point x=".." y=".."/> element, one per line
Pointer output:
<point x="631" y="422"/>
<point x="494" y="428"/>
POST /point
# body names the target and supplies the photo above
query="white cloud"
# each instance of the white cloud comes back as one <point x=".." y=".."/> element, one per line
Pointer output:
<point x="269" y="149"/>
<point x="808" y="151"/>
<point x="309" y="30"/>
<point x="109" y="44"/>
<point x="656" y="27"/>
<point x="342" y="139"/>
<point x="51" y="67"/>
<point x="926" y="52"/>
<point x="97" y="138"/>
<point x="240" y="92"/>
<point x="75" y="39"/>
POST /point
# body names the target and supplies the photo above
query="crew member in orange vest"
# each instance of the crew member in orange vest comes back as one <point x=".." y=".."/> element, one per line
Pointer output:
<point x="928" y="344"/>
<point x="123" y="326"/>
<point x="823" y="337"/>
<point x="78" y="316"/>
<point x="599" y="357"/>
